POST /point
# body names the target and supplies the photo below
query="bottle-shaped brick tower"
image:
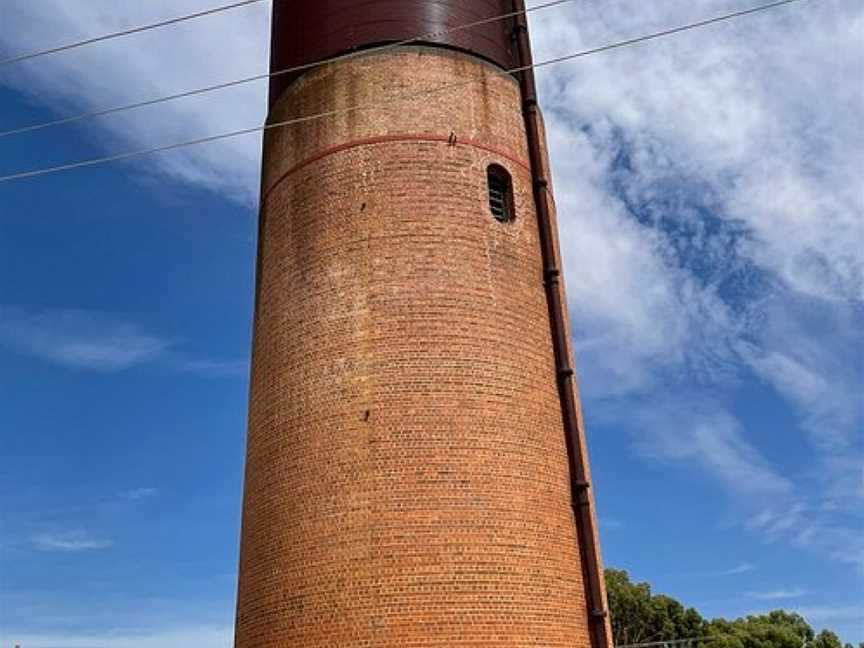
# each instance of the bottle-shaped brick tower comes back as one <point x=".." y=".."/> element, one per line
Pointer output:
<point x="416" y="473"/>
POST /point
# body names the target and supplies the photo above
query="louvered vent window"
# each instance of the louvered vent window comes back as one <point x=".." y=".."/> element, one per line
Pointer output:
<point x="500" y="193"/>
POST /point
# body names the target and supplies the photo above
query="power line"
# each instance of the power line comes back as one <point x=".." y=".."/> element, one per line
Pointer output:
<point x="674" y="30"/>
<point x="127" y="32"/>
<point x="261" y="77"/>
<point x="389" y="103"/>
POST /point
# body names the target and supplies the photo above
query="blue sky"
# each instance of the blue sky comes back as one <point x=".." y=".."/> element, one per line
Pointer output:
<point x="711" y="214"/>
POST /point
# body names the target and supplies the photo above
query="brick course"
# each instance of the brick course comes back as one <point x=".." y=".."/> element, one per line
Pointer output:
<point x="407" y="480"/>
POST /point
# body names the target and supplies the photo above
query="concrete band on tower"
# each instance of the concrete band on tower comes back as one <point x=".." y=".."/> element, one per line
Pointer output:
<point x="407" y="479"/>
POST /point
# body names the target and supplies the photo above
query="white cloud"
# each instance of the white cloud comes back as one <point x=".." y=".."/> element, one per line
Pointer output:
<point x="191" y="55"/>
<point x="87" y="340"/>
<point x="711" y="218"/>
<point x="203" y="637"/>
<point x="70" y="542"/>
<point x="137" y="494"/>
<point x="778" y="595"/>
<point x="79" y="339"/>
<point x="754" y="110"/>
<point x="705" y="438"/>
<point x="694" y="118"/>
<point x="834" y="613"/>
<point x="818" y="374"/>
<point x="741" y="568"/>
<point x="713" y="440"/>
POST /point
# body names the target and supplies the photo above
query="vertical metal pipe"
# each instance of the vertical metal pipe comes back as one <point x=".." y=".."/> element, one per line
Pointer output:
<point x="581" y="500"/>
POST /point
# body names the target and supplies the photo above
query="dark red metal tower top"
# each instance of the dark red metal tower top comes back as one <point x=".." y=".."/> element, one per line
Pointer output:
<point x="305" y="31"/>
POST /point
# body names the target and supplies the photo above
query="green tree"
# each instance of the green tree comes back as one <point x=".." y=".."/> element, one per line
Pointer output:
<point x="629" y="608"/>
<point x="826" y="639"/>
<point x="776" y="629"/>
<point x="638" y="616"/>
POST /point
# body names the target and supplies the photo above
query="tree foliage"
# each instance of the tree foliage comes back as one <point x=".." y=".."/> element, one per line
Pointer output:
<point x="640" y="616"/>
<point x="777" y="629"/>
<point x="827" y="639"/>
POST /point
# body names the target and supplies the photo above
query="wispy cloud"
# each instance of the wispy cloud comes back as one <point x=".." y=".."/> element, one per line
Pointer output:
<point x="199" y="637"/>
<point x="70" y="542"/>
<point x="699" y="257"/>
<point x="705" y="434"/>
<point x="741" y="568"/>
<point x="832" y="613"/>
<point x="92" y="341"/>
<point x="136" y="494"/>
<point x="777" y="595"/>
<point x="79" y="339"/>
<point x="93" y="78"/>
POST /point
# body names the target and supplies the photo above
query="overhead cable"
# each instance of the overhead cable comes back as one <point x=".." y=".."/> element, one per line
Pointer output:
<point x="291" y="70"/>
<point x="389" y="103"/>
<point x="127" y="32"/>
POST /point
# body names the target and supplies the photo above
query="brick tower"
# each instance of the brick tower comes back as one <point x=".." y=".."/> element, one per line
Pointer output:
<point x="416" y="473"/>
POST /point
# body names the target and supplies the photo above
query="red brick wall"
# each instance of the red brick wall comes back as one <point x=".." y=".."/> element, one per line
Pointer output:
<point x="407" y="475"/>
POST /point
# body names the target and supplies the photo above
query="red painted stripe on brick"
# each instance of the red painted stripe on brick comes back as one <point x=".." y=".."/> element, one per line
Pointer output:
<point x="388" y="139"/>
